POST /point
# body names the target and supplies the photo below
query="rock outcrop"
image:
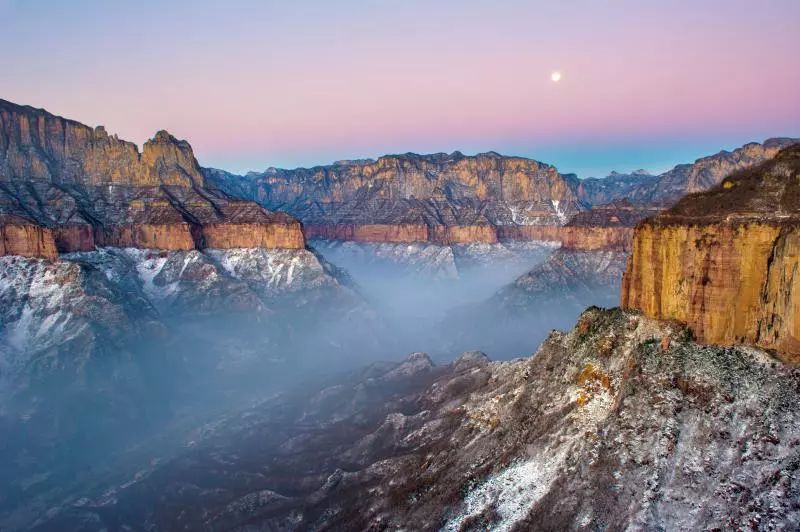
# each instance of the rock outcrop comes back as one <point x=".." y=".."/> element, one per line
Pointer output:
<point x="65" y="187"/>
<point x="726" y="261"/>
<point x="38" y="145"/>
<point x="623" y="423"/>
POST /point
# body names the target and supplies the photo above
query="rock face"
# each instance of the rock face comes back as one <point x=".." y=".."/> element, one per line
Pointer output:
<point x="457" y="199"/>
<point x="486" y="176"/>
<point x="27" y="240"/>
<point x="439" y="198"/>
<point x="38" y="145"/>
<point x="65" y="187"/>
<point x="725" y="261"/>
<point x="624" y="423"/>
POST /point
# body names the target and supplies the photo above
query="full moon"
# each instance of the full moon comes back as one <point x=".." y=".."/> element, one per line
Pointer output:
<point x="555" y="76"/>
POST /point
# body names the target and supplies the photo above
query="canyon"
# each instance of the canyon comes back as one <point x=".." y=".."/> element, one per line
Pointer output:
<point x="175" y="337"/>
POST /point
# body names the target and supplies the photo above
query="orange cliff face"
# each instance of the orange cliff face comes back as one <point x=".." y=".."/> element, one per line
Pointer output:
<point x="580" y="238"/>
<point x="27" y="240"/>
<point x="726" y="261"/>
<point x="40" y="146"/>
<point x="67" y="187"/>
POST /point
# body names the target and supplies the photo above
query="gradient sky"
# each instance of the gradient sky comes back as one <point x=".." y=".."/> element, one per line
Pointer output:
<point x="253" y="84"/>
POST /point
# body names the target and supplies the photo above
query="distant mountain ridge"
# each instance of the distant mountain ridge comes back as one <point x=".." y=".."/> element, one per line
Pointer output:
<point x="455" y="198"/>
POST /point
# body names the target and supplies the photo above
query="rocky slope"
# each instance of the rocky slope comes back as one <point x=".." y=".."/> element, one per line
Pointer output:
<point x="550" y="295"/>
<point x="66" y="187"/>
<point x="725" y="261"/>
<point x="139" y="340"/>
<point x="622" y="423"/>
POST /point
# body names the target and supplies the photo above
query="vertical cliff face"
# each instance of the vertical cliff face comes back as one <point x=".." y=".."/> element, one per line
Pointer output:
<point x="453" y="198"/>
<point x="486" y="176"/>
<point x="27" y="240"/>
<point x="54" y="193"/>
<point x="726" y="261"/>
<point x="38" y="145"/>
<point x="440" y="198"/>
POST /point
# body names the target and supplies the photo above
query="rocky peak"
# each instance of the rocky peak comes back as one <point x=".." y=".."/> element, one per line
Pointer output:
<point x="54" y="196"/>
<point x="414" y="364"/>
<point x="171" y="161"/>
<point x="470" y="359"/>
<point x="37" y="145"/>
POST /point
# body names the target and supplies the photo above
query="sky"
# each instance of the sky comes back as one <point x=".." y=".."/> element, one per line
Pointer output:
<point x="253" y="84"/>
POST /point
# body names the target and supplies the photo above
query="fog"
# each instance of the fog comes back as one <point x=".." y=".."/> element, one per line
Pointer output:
<point x="140" y="400"/>
<point x="443" y="300"/>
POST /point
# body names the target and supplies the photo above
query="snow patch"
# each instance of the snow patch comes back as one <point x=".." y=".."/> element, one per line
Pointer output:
<point x="511" y="493"/>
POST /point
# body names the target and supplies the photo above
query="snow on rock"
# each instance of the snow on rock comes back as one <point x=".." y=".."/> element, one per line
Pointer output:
<point x="511" y="493"/>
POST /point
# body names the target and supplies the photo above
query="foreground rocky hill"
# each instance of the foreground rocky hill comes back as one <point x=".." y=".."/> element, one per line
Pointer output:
<point x="725" y="261"/>
<point x="622" y="423"/>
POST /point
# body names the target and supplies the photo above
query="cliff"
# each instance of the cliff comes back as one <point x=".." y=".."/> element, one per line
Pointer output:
<point x="453" y="198"/>
<point x="440" y="198"/>
<point x="485" y="176"/>
<point x="18" y="237"/>
<point x="55" y="177"/>
<point x="726" y="261"/>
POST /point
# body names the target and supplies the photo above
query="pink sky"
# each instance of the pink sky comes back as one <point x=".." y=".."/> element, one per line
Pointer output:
<point x="254" y="84"/>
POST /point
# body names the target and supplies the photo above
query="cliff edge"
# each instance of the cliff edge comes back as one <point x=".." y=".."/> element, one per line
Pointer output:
<point x="726" y="261"/>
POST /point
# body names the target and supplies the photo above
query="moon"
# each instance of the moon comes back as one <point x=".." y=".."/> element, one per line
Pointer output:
<point x="555" y="76"/>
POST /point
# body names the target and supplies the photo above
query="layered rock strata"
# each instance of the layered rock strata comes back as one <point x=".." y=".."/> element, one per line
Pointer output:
<point x="726" y="261"/>
<point x="457" y="199"/>
<point x="65" y="187"/>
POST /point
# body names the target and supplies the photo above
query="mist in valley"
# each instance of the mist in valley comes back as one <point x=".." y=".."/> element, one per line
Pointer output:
<point x="122" y="402"/>
<point x="444" y="300"/>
